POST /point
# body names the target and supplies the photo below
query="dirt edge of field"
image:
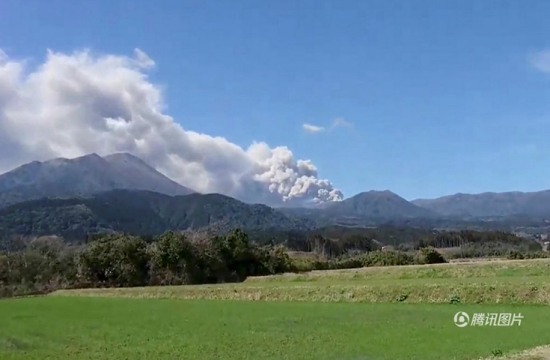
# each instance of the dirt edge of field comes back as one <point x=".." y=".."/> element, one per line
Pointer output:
<point x="537" y="353"/>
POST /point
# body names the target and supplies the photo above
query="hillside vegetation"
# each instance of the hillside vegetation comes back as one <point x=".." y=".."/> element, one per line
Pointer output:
<point x="138" y="213"/>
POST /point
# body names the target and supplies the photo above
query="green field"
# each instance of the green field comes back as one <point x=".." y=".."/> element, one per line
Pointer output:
<point x="506" y="282"/>
<point x="110" y="328"/>
<point x="311" y="319"/>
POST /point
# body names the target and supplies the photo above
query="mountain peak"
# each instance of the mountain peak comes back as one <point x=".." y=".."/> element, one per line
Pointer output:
<point x="84" y="159"/>
<point x="125" y="157"/>
<point x="379" y="204"/>
<point x="376" y="193"/>
<point x="87" y="157"/>
<point x="83" y="176"/>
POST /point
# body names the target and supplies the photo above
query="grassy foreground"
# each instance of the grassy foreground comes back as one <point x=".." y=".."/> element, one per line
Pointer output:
<point x="491" y="282"/>
<point x="114" y="328"/>
<point x="374" y="313"/>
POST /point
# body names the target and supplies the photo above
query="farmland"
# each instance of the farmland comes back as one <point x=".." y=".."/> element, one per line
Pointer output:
<point x="489" y="282"/>
<point x="373" y="313"/>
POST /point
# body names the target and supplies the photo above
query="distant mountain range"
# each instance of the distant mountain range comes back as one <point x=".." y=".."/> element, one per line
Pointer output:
<point x="534" y="204"/>
<point x="120" y="192"/>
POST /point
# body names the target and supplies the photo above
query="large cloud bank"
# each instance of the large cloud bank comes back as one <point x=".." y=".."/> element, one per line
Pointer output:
<point x="79" y="103"/>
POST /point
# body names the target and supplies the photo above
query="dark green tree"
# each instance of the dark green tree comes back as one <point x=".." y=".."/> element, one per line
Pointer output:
<point x="115" y="260"/>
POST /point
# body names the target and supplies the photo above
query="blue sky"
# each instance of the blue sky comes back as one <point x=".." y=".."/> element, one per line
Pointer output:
<point x="443" y="96"/>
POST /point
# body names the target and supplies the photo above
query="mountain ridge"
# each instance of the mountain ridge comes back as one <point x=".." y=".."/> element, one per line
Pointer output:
<point x="83" y="176"/>
<point x="510" y="203"/>
<point x="138" y="212"/>
<point x="92" y="174"/>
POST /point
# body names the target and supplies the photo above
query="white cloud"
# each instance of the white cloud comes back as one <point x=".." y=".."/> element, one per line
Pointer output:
<point x="312" y="129"/>
<point x="79" y="103"/>
<point x="143" y="60"/>
<point x="541" y="61"/>
<point x="340" y="122"/>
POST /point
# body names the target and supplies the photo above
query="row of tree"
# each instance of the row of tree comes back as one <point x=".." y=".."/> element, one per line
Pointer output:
<point x="122" y="260"/>
<point x="118" y="260"/>
<point x="336" y="242"/>
<point x="449" y="239"/>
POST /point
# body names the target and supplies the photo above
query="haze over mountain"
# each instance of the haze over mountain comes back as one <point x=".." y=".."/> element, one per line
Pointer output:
<point x="490" y="204"/>
<point x="83" y="176"/>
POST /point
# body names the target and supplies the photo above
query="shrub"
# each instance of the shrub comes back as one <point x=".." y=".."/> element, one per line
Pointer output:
<point x="277" y="260"/>
<point x="115" y="260"/>
<point x="387" y="258"/>
<point x="173" y="260"/>
<point x="402" y="297"/>
<point x="497" y="352"/>
<point x="514" y="255"/>
<point x="347" y="263"/>
<point x="429" y="255"/>
<point x="455" y="299"/>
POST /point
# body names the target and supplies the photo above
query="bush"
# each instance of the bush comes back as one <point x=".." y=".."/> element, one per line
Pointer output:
<point x="402" y="297"/>
<point x="388" y="258"/>
<point x="497" y="352"/>
<point x="173" y="260"/>
<point x="115" y="260"/>
<point x="430" y="256"/>
<point x="347" y="263"/>
<point x="277" y="260"/>
<point x="516" y="255"/>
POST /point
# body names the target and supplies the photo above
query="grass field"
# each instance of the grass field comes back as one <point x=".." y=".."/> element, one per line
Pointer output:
<point x="351" y="314"/>
<point x="492" y="282"/>
<point x="111" y="328"/>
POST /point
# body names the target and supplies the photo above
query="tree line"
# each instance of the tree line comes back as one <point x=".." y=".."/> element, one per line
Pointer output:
<point x="174" y="258"/>
<point x="120" y="260"/>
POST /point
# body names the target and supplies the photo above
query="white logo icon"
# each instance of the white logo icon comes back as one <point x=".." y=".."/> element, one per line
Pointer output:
<point x="461" y="319"/>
